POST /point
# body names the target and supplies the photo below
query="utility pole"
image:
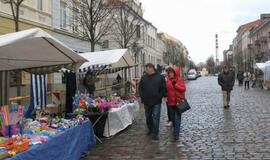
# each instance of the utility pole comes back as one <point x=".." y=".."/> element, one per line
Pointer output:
<point x="217" y="54"/>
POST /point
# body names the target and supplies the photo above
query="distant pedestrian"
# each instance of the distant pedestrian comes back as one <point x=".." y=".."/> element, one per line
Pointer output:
<point x="247" y="77"/>
<point x="175" y="93"/>
<point x="152" y="88"/>
<point x="254" y="79"/>
<point x="240" y="77"/>
<point x="226" y="80"/>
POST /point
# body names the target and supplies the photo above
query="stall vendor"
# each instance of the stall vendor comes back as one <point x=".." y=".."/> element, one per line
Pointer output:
<point x="89" y="83"/>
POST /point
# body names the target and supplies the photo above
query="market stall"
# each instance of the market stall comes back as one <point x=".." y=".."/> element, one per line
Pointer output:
<point x="36" y="52"/>
<point x="265" y="68"/>
<point x="119" y="113"/>
<point x="71" y="144"/>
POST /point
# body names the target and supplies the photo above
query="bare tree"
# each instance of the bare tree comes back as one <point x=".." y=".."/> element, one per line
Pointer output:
<point x="210" y="62"/>
<point x="93" y="19"/>
<point x="174" y="54"/>
<point x="127" y="22"/>
<point x="15" y="9"/>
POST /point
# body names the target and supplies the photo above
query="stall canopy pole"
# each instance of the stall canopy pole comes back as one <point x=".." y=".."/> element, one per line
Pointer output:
<point x="125" y="81"/>
<point x="1" y="89"/>
<point x="4" y="96"/>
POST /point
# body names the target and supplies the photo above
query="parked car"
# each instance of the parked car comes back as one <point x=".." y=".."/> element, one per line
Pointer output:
<point x="192" y="74"/>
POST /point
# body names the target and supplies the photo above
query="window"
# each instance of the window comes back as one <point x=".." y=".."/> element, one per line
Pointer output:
<point x="63" y="15"/>
<point x="148" y="40"/>
<point x="138" y="31"/>
<point x="105" y="44"/>
<point x="40" y="4"/>
<point x="75" y="20"/>
<point x="143" y="33"/>
<point x="14" y="78"/>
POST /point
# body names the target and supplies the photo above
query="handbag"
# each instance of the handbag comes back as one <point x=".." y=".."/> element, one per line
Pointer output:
<point x="183" y="106"/>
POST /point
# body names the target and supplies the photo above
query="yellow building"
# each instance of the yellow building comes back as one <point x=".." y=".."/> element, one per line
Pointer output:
<point x="33" y="13"/>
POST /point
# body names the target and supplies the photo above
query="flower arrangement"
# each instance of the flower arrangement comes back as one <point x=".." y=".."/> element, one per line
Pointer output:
<point x="82" y="103"/>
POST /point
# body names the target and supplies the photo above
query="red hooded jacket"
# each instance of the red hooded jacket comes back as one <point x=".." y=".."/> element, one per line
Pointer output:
<point x="178" y="90"/>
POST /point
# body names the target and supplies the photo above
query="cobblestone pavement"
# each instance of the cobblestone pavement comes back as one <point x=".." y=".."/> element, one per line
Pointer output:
<point x="208" y="131"/>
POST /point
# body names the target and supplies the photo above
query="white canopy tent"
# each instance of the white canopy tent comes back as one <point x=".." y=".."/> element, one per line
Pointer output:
<point x="34" y="48"/>
<point x="265" y="67"/>
<point x="117" y="58"/>
<point x="35" y="51"/>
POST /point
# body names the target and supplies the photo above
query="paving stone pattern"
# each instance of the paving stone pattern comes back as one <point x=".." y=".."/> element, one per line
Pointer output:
<point x="207" y="132"/>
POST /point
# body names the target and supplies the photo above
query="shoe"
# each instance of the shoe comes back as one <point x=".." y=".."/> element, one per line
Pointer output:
<point x="155" y="138"/>
<point x="228" y="106"/>
<point x="169" y="124"/>
<point x="225" y="107"/>
<point x="176" y="138"/>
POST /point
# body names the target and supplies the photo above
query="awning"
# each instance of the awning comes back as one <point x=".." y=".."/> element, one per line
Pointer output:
<point x="265" y="67"/>
<point x="36" y="51"/>
<point x="117" y="58"/>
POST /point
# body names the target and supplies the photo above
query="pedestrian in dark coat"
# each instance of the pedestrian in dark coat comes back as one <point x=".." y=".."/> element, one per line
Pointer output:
<point x="226" y="80"/>
<point x="152" y="88"/>
<point x="240" y="77"/>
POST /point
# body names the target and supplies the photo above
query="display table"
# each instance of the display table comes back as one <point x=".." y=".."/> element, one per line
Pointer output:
<point x="120" y="118"/>
<point x="71" y="144"/>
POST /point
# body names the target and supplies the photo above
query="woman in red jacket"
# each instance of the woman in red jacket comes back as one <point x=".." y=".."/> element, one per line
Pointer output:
<point x="175" y="93"/>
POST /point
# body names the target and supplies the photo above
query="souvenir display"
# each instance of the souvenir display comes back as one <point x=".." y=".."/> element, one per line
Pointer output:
<point x="33" y="131"/>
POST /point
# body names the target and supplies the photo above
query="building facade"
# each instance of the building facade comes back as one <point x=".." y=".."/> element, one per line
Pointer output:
<point x="228" y="57"/>
<point x="260" y="43"/>
<point x="242" y="57"/>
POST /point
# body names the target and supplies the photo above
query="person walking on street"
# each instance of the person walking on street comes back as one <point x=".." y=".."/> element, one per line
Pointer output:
<point x="152" y="89"/>
<point x="226" y="80"/>
<point x="247" y="77"/>
<point x="240" y="77"/>
<point x="253" y="76"/>
<point x="175" y="93"/>
<point x="169" y="124"/>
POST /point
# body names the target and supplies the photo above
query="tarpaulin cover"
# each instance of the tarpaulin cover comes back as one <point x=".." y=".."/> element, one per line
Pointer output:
<point x="69" y="145"/>
<point x="120" y="118"/>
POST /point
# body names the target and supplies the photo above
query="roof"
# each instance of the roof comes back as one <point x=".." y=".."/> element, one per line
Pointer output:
<point x="259" y="27"/>
<point x="250" y="25"/>
<point x="36" y="50"/>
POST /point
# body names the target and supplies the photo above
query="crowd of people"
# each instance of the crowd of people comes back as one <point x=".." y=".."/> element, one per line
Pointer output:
<point x="246" y="78"/>
<point x="154" y="86"/>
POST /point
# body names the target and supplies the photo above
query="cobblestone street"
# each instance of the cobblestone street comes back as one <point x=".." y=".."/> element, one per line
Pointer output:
<point x="207" y="132"/>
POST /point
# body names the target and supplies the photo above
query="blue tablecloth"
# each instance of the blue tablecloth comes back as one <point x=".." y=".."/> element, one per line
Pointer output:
<point x="69" y="145"/>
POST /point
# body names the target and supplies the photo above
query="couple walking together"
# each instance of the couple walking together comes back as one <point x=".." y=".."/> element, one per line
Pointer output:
<point x="152" y="88"/>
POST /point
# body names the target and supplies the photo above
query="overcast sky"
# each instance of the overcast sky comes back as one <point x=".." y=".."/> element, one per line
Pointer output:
<point x="195" y="22"/>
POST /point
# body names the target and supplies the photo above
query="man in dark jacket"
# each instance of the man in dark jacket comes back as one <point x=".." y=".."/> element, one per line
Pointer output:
<point x="226" y="81"/>
<point x="152" y="88"/>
